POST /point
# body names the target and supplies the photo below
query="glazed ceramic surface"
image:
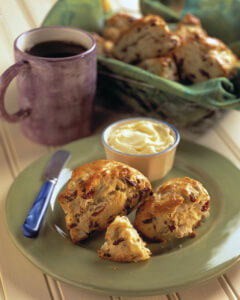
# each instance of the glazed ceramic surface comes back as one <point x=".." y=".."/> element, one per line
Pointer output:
<point x="183" y="263"/>
<point x="55" y="95"/>
<point x="155" y="166"/>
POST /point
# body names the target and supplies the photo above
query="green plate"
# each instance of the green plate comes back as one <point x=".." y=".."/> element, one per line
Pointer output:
<point x="185" y="263"/>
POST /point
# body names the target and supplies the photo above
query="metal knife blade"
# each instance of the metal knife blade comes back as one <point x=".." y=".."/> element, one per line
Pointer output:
<point x="38" y="210"/>
<point x="56" y="164"/>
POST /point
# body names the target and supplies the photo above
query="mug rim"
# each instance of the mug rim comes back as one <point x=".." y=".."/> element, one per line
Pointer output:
<point x="54" y="59"/>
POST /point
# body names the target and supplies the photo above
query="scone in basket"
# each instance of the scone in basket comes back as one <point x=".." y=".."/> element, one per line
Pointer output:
<point x="122" y="86"/>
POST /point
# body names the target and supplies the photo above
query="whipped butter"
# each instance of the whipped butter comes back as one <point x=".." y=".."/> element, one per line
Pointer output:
<point x="141" y="137"/>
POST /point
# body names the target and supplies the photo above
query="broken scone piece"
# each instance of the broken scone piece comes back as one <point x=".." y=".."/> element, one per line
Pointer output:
<point x="203" y="58"/>
<point x="116" y="25"/>
<point x="98" y="192"/>
<point x="147" y="37"/>
<point x="123" y="243"/>
<point x="103" y="47"/>
<point x="175" y="209"/>
<point x="162" y="66"/>
<point x="190" y="27"/>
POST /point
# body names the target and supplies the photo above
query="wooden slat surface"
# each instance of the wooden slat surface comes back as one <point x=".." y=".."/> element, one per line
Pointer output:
<point x="16" y="152"/>
<point x="36" y="12"/>
<point x="161" y="297"/>
<point x="15" y="285"/>
<point x="211" y="291"/>
<point x="1" y="291"/>
<point x="233" y="278"/>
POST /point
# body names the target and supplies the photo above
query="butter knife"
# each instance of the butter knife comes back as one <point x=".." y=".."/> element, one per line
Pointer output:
<point x="38" y="210"/>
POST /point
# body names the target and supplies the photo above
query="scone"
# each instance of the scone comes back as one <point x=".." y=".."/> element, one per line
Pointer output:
<point x="116" y="25"/>
<point x="147" y="37"/>
<point x="103" y="47"/>
<point x="99" y="191"/>
<point x="203" y="58"/>
<point x="175" y="209"/>
<point x="190" y="27"/>
<point x="161" y="66"/>
<point x="123" y="243"/>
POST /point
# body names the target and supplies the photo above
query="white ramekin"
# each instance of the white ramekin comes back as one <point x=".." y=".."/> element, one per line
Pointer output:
<point x="153" y="166"/>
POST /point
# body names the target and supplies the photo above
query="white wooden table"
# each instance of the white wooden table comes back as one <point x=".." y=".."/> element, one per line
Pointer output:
<point x="19" y="279"/>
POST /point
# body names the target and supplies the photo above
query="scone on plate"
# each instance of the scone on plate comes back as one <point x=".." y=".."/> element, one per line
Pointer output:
<point x="147" y="37"/>
<point x="190" y="27"/>
<point x="99" y="191"/>
<point x="123" y="243"/>
<point x="203" y="58"/>
<point x="103" y="47"/>
<point x="175" y="209"/>
<point x="116" y="25"/>
<point x="162" y="66"/>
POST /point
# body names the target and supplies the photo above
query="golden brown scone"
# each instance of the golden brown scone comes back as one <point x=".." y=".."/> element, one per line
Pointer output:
<point x="161" y="66"/>
<point x="104" y="47"/>
<point x="99" y="191"/>
<point x="190" y="27"/>
<point x="123" y="243"/>
<point x="175" y="209"/>
<point x="116" y="25"/>
<point x="147" y="37"/>
<point x="203" y="58"/>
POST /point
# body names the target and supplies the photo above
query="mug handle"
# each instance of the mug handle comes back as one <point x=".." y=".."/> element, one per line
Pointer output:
<point x="5" y="80"/>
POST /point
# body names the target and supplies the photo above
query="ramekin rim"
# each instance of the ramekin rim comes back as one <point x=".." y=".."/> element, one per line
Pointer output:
<point x="177" y="137"/>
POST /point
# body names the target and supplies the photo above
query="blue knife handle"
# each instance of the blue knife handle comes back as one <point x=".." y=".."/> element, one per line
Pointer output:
<point x="38" y="210"/>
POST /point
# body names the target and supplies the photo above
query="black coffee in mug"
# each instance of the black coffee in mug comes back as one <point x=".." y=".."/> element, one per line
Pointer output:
<point x="56" y="49"/>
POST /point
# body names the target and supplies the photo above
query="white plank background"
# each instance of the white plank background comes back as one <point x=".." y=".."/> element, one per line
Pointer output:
<point x="19" y="279"/>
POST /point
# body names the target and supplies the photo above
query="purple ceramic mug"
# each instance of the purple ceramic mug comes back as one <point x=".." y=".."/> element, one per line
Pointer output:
<point x="55" y="95"/>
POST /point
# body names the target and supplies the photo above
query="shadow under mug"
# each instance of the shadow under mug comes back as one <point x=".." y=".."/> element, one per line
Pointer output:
<point x="55" y="95"/>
